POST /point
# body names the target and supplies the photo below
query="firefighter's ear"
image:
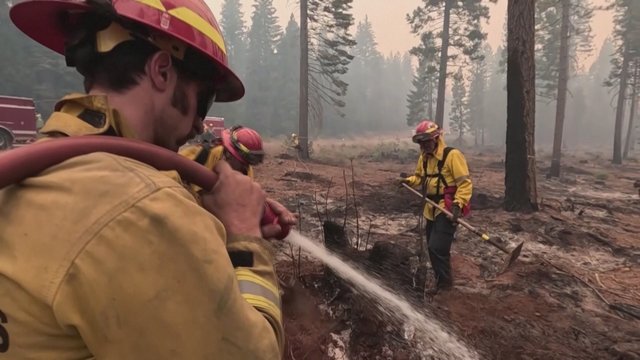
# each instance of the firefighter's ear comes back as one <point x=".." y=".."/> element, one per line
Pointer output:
<point x="160" y="70"/>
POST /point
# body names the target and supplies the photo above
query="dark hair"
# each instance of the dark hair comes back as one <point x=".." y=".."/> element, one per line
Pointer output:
<point x="119" y="69"/>
<point x="123" y="66"/>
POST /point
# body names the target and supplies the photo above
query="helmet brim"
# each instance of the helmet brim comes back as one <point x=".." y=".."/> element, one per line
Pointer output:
<point x="226" y="142"/>
<point x="44" y="22"/>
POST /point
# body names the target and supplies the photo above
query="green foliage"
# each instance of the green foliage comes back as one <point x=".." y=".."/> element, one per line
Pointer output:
<point x="422" y="96"/>
<point x="626" y="38"/>
<point x="548" y="25"/>
<point x="459" y="118"/>
<point x="477" y="89"/>
<point x="286" y="79"/>
<point x="264" y="35"/>
<point x="330" y="44"/>
<point x="235" y="37"/>
<point x="466" y="35"/>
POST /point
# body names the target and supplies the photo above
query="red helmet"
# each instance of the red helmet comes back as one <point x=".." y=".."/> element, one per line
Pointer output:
<point x="244" y="144"/>
<point x="176" y="26"/>
<point x="426" y="130"/>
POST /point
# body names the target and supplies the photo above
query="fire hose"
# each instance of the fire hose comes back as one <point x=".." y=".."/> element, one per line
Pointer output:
<point x="18" y="164"/>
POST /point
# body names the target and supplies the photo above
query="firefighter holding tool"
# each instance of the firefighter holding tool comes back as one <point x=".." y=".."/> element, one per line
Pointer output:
<point x="442" y="175"/>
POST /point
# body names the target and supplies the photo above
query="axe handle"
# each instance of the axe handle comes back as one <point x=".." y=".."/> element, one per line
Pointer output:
<point x="462" y="222"/>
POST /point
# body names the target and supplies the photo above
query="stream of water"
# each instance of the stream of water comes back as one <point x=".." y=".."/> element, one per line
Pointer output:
<point x="432" y="338"/>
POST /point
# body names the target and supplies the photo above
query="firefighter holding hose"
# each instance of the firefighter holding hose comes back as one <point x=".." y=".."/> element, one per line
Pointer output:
<point x="105" y="257"/>
<point x="443" y="176"/>
<point x="242" y="148"/>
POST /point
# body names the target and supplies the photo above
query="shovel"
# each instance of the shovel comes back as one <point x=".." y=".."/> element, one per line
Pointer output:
<point x="511" y="255"/>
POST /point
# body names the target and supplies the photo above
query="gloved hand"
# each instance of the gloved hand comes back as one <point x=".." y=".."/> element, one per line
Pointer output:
<point x="402" y="180"/>
<point x="455" y="211"/>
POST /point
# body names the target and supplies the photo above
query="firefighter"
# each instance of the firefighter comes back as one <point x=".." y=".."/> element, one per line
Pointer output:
<point x="105" y="257"/>
<point x="242" y="148"/>
<point x="443" y="176"/>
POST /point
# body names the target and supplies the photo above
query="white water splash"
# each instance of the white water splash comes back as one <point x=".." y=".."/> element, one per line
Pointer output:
<point x="429" y="333"/>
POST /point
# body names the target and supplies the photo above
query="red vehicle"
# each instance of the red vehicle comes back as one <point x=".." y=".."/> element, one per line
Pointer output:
<point x="18" y="121"/>
<point x="214" y="125"/>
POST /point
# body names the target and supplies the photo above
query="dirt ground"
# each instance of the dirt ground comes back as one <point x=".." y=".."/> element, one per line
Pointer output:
<point x="574" y="293"/>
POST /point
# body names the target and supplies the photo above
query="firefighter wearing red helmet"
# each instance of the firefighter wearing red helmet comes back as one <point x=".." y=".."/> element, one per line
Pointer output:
<point x="443" y="176"/>
<point x="105" y="257"/>
<point x="242" y="148"/>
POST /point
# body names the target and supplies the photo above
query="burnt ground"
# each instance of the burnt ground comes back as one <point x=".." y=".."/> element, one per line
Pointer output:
<point x="574" y="293"/>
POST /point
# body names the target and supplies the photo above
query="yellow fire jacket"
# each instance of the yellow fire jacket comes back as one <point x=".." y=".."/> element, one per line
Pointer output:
<point x="207" y="156"/>
<point x="105" y="257"/>
<point x="454" y="171"/>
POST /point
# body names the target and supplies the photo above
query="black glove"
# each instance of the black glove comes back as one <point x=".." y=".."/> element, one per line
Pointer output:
<point x="455" y="211"/>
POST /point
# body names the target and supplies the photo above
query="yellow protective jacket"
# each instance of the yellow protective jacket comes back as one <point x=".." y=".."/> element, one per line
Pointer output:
<point x="207" y="155"/>
<point x="105" y="257"/>
<point x="454" y="171"/>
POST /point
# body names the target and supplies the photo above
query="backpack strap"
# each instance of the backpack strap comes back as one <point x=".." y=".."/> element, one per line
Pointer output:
<point x="445" y="153"/>
<point x="203" y="155"/>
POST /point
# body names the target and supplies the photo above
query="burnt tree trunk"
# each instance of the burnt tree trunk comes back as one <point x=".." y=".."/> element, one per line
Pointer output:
<point x="520" y="171"/>
<point x="632" y="113"/>
<point x="563" y="79"/>
<point x="444" y="59"/>
<point x="617" y="135"/>
<point x="303" y="124"/>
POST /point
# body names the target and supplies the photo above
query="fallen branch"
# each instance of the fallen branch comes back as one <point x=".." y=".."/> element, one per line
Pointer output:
<point x="616" y="307"/>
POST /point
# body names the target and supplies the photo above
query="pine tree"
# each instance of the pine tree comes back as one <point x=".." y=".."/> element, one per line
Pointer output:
<point x="495" y="105"/>
<point x="263" y="36"/>
<point x="477" y="89"/>
<point x="235" y="36"/>
<point x="418" y="97"/>
<point x="330" y="42"/>
<point x="563" y="31"/>
<point x="363" y="77"/>
<point x="460" y="29"/>
<point x="520" y="163"/>
<point x="459" y="119"/>
<point x="627" y="52"/>
<point x="425" y="80"/>
<point x="286" y="80"/>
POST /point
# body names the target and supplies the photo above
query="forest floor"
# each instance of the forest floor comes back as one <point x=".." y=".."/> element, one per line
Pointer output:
<point x="574" y="293"/>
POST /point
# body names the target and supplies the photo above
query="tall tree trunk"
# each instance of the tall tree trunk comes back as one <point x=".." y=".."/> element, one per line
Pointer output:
<point x="632" y="112"/>
<point x="444" y="58"/>
<point x="563" y="79"/>
<point x="303" y="124"/>
<point x="430" y="105"/>
<point x="520" y="163"/>
<point x="617" y="135"/>
<point x="483" y="135"/>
